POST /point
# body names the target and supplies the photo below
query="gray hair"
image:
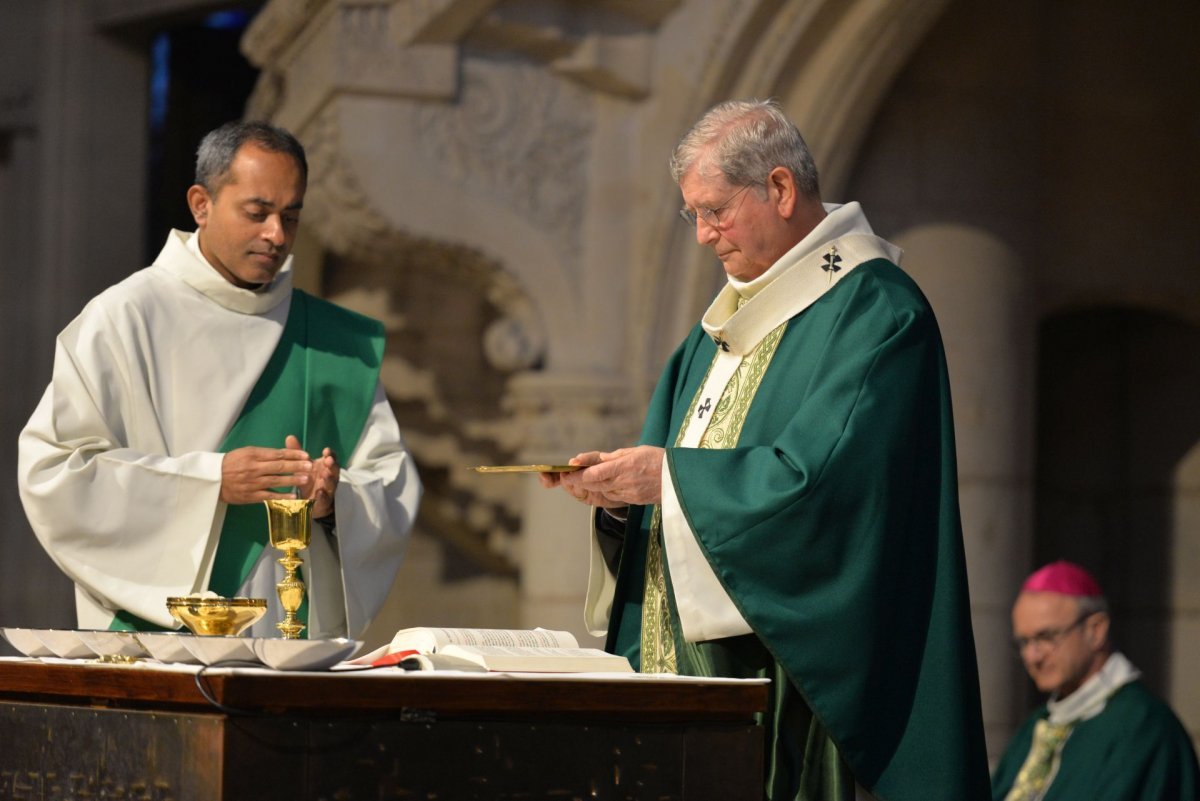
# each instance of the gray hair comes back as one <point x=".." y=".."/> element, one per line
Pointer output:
<point x="1089" y="605"/>
<point x="1092" y="604"/>
<point x="744" y="140"/>
<point x="219" y="147"/>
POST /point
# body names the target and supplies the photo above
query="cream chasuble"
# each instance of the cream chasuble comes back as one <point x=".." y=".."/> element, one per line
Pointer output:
<point x="119" y="472"/>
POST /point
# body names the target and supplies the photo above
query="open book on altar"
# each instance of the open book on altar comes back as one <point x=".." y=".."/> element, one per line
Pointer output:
<point x="494" y="650"/>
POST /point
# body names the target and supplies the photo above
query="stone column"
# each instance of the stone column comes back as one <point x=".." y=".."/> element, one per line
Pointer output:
<point x="562" y="414"/>
<point x="977" y="287"/>
<point x="1183" y="621"/>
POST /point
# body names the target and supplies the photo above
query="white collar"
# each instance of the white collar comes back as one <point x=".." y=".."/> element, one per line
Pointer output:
<point x="1092" y="696"/>
<point x="181" y="257"/>
<point x="815" y="264"/>
<point x="840" y="220"/>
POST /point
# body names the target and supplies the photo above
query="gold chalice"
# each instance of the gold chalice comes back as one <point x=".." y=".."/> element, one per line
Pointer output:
<point x="289" y="521"/>
<point x="213" y="615"/>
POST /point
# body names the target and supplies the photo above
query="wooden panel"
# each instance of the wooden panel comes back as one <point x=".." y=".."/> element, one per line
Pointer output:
<point x="56" y="752"/>
<point x="491" y="760"/>
<point x="91" y="731"/>
<point x="342" y="694"/>
<point x="76" y="752"/>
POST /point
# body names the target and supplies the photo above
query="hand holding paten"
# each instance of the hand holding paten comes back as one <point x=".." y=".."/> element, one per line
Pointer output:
<point x="551" y="480"/>
<point x="611" y="480"/>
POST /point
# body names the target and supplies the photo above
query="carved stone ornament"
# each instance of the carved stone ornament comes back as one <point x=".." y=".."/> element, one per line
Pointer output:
<point x="520" y="135"/>
<point x="276" y="27"/>
<point x="335" y="203"/>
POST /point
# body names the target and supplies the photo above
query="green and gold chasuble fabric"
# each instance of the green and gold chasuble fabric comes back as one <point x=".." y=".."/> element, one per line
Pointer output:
<point x="724" y="426"/>
<point x="319" y="384"/>
<point x="664" y="650"/>
<point x="832" y="523"/>
<point x="1042" y="761"/>
<point x="1135" y="750"/>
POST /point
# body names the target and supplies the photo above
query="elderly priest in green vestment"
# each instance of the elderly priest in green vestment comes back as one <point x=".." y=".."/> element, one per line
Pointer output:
<point x="186" y="394"/>
<point x="1102" y="736"/>
<point x="792" y="509"/>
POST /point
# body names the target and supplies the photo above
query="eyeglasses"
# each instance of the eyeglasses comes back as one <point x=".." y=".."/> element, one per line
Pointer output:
<point x="711" y="216"/>
<point x="1048" y="638"/>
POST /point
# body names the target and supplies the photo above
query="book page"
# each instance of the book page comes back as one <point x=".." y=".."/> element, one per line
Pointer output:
<point x="527" y="638"/>
<point x="528" y="652"/>
<point x="534" y="659"/>
<point x="440" y="662"/>
<point x="430" y="640"/>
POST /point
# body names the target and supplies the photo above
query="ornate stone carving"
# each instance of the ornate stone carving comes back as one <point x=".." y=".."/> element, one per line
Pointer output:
<point x="514" y="342"/>
<point x="335" y="204"/>
<point x="458" y="327"/>
<point x="264" y="102"/>
<point x="276" y="27"/>
<point x="520" y="135"/>
<point x="619" y="65"/>
<point x="437" y="21"/>
<point x="326" y="49"/>
<point x="465" y="342"/>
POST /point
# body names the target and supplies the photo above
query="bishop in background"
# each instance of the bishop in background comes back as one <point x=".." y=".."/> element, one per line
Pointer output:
<point x="1102" y="735"/>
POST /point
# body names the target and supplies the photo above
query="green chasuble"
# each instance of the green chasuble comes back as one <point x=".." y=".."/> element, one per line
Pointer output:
<point x="833" y="525"/>
<point x="319" y="384"/>
<point x="1135" y="750"/>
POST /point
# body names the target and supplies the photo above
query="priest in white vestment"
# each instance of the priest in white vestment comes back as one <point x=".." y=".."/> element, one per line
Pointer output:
<point x="126" y="468"/>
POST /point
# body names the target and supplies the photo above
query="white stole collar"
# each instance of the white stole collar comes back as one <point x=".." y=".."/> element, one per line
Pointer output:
<point x="182" y="258"/>
<point x="1092" y="696"/>
<point x="837" y="245"/>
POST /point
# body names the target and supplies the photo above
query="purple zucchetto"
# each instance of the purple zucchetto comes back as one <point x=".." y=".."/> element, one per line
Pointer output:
<point x="1065" y="578"/>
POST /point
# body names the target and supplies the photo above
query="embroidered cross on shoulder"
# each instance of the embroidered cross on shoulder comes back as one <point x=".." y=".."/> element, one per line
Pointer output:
<point x="832" y="261"/>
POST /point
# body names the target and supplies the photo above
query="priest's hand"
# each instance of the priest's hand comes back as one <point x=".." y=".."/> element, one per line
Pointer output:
<point x="323" y="481"/>
<point x="612" y="480"/>
<point x="248" y="474"/>
<point x="551" y="480"/>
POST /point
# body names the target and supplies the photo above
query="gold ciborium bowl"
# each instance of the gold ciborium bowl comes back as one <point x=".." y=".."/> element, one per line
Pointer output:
<point x="217" y="616"/>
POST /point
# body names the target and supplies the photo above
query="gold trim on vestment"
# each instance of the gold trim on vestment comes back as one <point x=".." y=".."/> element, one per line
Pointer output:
<point x="724" y="428"/>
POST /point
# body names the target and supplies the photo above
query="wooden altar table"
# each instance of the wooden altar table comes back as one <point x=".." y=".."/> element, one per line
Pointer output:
<point x="76" y="730"/>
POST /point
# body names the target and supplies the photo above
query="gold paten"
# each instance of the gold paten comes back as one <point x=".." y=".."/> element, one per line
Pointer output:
<point x="527" y="468"/>
<point x="217" y="616"/>
<point x="289" y="521"/>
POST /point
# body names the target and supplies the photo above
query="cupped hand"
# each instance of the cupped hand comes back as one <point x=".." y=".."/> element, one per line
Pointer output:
<point x="248" y="474"/>
<point x="323" y="480"/>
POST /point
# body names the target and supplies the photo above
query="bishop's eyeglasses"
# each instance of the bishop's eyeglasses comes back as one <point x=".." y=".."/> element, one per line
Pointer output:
<point x="711" y="216"/>
<point x="1048" y="639"/>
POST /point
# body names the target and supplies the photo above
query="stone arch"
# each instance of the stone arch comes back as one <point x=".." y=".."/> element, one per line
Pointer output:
<point x="830" y="64"/>
<point x="362" y="205"/>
